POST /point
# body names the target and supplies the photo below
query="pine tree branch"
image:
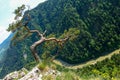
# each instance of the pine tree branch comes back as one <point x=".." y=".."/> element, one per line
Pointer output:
<point x="57" y="40"/>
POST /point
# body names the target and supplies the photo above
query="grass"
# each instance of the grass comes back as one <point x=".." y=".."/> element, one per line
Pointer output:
<point x="42" y="66"/>
<point x="68" y="76"/>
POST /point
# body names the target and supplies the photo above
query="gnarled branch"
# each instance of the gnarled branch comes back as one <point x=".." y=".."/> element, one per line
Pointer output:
<point x="43" y="39"/>
<point x="16" y="27"/>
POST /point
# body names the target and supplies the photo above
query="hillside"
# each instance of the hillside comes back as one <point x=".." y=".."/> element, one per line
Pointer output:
<point x="101" y="69"/>
<point x="3" y="48"/>
<point x="97" y="22"/>
<point x="8" y="57"/>
<point x="93" y="25"/>
<point x="85" y="64"/>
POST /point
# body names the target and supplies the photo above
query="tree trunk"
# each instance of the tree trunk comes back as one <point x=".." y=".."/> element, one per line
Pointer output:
<point x="33" y="49"/>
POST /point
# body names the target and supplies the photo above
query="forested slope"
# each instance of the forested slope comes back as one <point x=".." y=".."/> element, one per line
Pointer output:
<point x="98" y="23"/>
<point x="92" y="24"/>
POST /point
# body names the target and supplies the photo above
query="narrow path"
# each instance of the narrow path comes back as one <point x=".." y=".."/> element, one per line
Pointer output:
<point x="71" y="66"/>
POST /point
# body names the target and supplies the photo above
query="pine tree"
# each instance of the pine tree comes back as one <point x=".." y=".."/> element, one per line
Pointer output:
<point x="21" y="31"/>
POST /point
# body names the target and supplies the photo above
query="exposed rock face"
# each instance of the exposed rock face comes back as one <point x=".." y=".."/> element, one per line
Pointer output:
<point x="34" y="74"/>
<point x="16" y="74"/>
<point x="11" y="76"/>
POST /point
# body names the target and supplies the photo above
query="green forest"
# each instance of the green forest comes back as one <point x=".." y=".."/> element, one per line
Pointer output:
<point x="94" y="30"/>
<point x="97" y="22"/>
<point x="108" y="69"/>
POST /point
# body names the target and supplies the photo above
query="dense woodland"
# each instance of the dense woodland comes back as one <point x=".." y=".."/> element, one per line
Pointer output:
<point x="108" y="69"/>
<point x="96" y="22"/>
<point x="92" y="24"/>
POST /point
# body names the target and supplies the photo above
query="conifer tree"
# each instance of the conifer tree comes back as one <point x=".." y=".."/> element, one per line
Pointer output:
<point x="21" y="30"/>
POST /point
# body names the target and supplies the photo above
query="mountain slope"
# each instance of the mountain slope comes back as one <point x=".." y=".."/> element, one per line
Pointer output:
<point x="4" y="46"/>
<point x="96" y="21"/>
<point x="91" y="62"/>
<point x="6" y="42"/>
<point x="98" y="69"/>
<point x="10" y="60"/>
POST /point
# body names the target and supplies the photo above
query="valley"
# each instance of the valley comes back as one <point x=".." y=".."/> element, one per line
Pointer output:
<point x="92" y="29"/>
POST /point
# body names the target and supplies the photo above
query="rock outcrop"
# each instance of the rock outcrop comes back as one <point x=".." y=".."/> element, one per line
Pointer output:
<point x="16" y="74"/>
<point x="34" y="74"/>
